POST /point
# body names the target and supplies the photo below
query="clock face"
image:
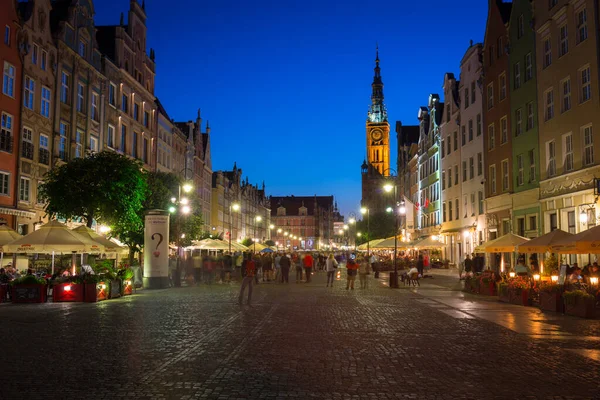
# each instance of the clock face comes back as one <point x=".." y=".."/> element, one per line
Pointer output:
<point x="376" y="135"/>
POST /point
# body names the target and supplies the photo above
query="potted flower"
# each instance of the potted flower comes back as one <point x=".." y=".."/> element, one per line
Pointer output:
<point x="519" y="290"/>
<point x="95" y="289"/>
<point x="580" y="303"/>
<point x="487" y="286"/>
<point x="126" y="276"/>
<point x="550" y="296"/>
<point x="29" y="289"/>
<point x="67" y="289"/>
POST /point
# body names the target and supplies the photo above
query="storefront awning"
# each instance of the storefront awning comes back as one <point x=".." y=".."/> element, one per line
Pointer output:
<point x="18" y="213"/>
<point x="456" y="230"/>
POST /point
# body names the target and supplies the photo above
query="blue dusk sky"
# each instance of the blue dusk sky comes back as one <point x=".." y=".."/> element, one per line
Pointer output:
<point x="286" y="84"/>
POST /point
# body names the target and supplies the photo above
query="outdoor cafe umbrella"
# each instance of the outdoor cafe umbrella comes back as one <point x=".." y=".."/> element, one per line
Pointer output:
<point x="508" y="243"/>
<point x="543" y="244"/>
<point x="237" y="246"/>
<point x="370" y="244"/>
<point x="586" y="242"/>
<point x="257" y="246"/>
<point x="209" y="244"/>
<point x="109" y="246"/>
<point x="427" y="244"/>
<point x="52" y="238"/>
<point x="7" y="235"/>
<point x="389" y="244"/>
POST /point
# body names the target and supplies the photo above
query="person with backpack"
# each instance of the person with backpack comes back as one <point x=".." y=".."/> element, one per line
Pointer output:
<point x="248" y="273"/>
<point x="331" y="265"/>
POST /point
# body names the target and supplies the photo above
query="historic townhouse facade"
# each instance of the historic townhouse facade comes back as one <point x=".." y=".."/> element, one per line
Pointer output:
<point x="171" y="145"/>
<point x="497" y="121"/>
<point x="450" y="162"/>
<point x="472" y="211"/>
<point x="131" y="110"/>
<point x="10" y="101"/>
<point x="567" y="80"/>
<point x="524" y="112"/>
<point x="254" y="203"/>
<point x="37" y="108"/>
<point x="408" y="141"/>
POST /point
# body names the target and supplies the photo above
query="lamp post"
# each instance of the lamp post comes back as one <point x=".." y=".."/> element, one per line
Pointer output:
<point x="358" y="234"/>
<point x="363" y="211"/>
<point x="352" y="222"/>
<point x="184" y="209"/>
<point x="257" y="219"/>
<point x="232" y="207"/>
<point x="388" y="187"/>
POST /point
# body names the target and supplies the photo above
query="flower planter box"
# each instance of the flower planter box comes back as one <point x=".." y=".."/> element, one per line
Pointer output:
<point x="471" y="286"/>
<point x="519" y="297"/>
<point x="127" y="287"/>
<point x="551" y="301"/>
<point x="488" y="289"/>
<point x="94" y="292"/>
<point x="29" y="293"/>
<point x="67" y="292"/>
<point x="114" y="289"/>
<point x="3" y="292"/>
<point x="582" y="307"/>
<point x="503" y="294"/>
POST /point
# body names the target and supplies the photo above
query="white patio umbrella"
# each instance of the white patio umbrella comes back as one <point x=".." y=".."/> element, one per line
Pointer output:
<point x="7" y="235"/>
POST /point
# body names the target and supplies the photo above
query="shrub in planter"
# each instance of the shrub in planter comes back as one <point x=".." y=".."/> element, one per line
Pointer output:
<point x="29" y="289"/>
<point x="487" y="286"/>
<point x="69" y="290"/>
<point x="580" y="303"/>
<point x="94" y="289"/>
<point x="519" y="291"/>
<point x="550" y="296"/>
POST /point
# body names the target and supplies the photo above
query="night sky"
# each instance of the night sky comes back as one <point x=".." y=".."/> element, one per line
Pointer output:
<point x="286" y="84"/>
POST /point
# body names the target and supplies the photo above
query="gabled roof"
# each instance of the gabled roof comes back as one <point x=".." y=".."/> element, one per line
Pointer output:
<point x="106" y="37"/>
<point x="161" y="109"/>
<point x="505" y="9"/>
<point x="292" y="204"/>
<point x="26" y="9"/>
<point x="407" y="134"/>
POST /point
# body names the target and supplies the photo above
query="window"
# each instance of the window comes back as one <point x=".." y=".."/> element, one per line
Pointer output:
<point x="44" y="152"/>
<point x="464" y="171"/>
<point x="4" y="183"/>
<point x="531" y="166"/>
<point x="517" y="75"/>
<point x="566" y="95"/>
<point x="582" y="31"/>
<point x="443" y="179"/>
<point x="502" y="86"/>
<point x="480" y="201"/>
<point x="470" y="130"/>
<point x="93" y="144"/>
<point x="491" y="137"/>
<point x="520" y="27"/>
<point x="7" y="35"/>
<point x="80" y="97"/>
<point x="547" y="52"/>
<point x="62" y="143"/>
<point x="518" y="122"/>
<point x="529" y="116"/>
<point x="564" y="41"/>
<point x="110" y="137"/>
<point x="568" y="152"/>
<point x="463" y="135"/>
<point x="134" y="152"/>
<point x="466" y="208"/>
<point x="473" y="204"/>
<point x="147" y="121"/>
<point x="44" y="60"/>
<point x="471" y="167"/>
<point x="473" y="95"/>
<point x="82" y="48"/>
<point x="553" y="222"/>
<point x="479" y="164"/>
<point x="466" y="98"/>
<point x="27" y="143"/>
<point x="79" y="143"/>
<point x="444" y="212"/>
<point x="551" y="158"/>
<point x="112" y="94"/>
<point x="586" y="86"/>
<point x="34" y="54"/>
<point x="455" y="140"/>
<point x="588" y="146"/>
<point x="549" y="98"/>
<point x="145" y="150"/>
<point x="448" y="145"/>
<point x="64" y="87"/>
<point x="503" y="130"/>
<point x="532" y="222"/>
<point x="124" y="104"/>
<point x="490" y="96"/>
<point x="123" y="138"/>
<point x="520" y="170"/>
<point x="45" y="103"/>
<point x="6" y="129"/>
<point x="528" y="67"/>
<point x="571" y="222"/>
<point x="456" y="175"/>
<point x="450" y="210"/>
<point x="478" y="125"/>
<point x="136" y="111"/>
<point x="95" y="114"/>
<point x="443" y="147"/>
<point x="521" y="226"/>
<point x="457" y="208"/>
<point x="8" y="81"/>
<point x="29" y="92"/>
<point x="449" y="177"/>
<point x="505" y="178"/>
<point x="24" y="189"/>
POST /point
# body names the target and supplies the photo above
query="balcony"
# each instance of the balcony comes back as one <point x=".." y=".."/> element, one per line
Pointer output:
<point x="27" y="150"/>
<point x="44" y="156"/>
<point x="6" y="141"/>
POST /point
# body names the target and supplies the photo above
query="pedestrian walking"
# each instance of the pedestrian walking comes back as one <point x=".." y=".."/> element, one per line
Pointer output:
<point x="277" y="267"/>
<point x="227" y="267"/>
<point x="209" y="268"/>
<point x="239" y="260"/>
<point x="267" y="266"/>
<point x="308" y="262"/>
<point x="248" y="273"/>
<point x="364" y="269"/>
<point x="257" y="266"/>
<point x="331" y="265"/>
<point x="285" y="263"/>
<point x="296" y="263"/>
<point x="420" y="265"/>
<point x="351" y="267"/>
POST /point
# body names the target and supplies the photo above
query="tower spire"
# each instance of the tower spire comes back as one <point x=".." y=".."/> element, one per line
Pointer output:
<point x="377" y="111"/>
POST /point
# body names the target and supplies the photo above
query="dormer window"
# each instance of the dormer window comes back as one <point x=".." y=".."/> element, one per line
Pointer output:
<point x="82" y="48"/>
<point x="281" y="211"/>
<point x="302" y="211"/>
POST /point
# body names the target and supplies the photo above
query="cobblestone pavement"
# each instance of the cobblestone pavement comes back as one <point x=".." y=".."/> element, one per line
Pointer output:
<point x="298" y="341"/>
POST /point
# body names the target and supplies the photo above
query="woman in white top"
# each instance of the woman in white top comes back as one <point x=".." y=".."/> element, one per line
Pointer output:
<point x="331" y="264"/>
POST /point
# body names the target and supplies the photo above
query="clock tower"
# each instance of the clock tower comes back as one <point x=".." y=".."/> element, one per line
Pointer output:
<point x="377" y="164"/>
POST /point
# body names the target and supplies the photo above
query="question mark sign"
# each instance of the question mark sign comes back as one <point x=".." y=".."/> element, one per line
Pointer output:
<point x="160" y="239"/>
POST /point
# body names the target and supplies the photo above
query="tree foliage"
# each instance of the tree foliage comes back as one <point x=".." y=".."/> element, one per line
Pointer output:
<point x="381" y="225"/>
<point x="106" y="187"/>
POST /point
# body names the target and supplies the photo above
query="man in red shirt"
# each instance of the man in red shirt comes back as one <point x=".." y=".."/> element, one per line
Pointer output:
<point x="308" y="262"/>
<point x="248" y="272"/>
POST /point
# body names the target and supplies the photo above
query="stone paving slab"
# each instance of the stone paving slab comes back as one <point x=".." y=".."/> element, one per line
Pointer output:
<point x="298" y="341"/>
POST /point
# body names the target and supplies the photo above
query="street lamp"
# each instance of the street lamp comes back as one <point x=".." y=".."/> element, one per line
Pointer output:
<point x="257" y="219"/>
<point x="363" y="211"/>
<point x="184" y="209"/>
<point x="232" y="207"/>
<point x="352" y="221"/>
<point x="388" y="187"/>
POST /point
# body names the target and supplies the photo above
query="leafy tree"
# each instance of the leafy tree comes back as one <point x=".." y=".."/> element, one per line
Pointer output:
<point x="381" y="225"/>
<point x="248" y="242"/>
<point x="106" y="187"/>
<point x="270" y="243"/>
